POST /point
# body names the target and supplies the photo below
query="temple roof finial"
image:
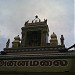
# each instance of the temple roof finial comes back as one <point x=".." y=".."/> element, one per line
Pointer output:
<point x="36" y="19"/>
<point x="36" y="16"/>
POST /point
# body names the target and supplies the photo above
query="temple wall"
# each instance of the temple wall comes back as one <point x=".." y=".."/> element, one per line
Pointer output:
<point x="38" y="65"/>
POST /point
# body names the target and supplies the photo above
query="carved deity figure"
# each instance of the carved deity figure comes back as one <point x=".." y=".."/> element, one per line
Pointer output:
<point x="62" y="40"/>
<point x="7" y="43"/>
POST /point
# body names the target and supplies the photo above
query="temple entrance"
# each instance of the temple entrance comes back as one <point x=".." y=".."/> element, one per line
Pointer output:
<point x="33" y="38"/>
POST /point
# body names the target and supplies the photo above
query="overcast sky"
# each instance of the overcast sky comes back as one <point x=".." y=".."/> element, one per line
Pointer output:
<point x="59" y="13"/>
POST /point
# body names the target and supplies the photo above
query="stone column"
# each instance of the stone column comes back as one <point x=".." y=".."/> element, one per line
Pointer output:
<point x="23" y="41"/>
<point x="43" y="38"/>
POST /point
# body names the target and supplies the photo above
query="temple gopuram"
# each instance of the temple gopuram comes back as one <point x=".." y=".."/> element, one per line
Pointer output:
<point x="33" y="53"/>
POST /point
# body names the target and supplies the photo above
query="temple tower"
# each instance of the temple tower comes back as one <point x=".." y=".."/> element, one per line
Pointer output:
<point x="35" y="33"/>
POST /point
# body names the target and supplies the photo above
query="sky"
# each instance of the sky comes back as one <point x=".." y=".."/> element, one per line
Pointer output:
<point x="59" y="15"/>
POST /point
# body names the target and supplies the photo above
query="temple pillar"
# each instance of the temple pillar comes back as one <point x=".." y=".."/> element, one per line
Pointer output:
<point x="43" y="38"/>
<point x="23" y="41"/>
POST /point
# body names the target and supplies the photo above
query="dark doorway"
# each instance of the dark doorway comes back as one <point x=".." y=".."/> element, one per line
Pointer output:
<point x="33" y="38"/>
